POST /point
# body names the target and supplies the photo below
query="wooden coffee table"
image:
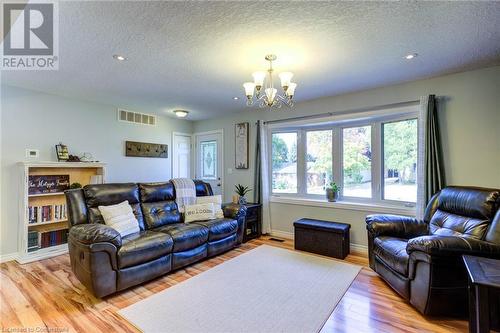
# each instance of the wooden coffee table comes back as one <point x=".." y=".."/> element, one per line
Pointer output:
<point x="484" y="293"/>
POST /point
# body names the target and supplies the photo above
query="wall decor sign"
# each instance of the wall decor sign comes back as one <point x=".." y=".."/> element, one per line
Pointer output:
<point x="241" y="146"/>
<point x="144" y="149"/>
<point x="45" y="184"/>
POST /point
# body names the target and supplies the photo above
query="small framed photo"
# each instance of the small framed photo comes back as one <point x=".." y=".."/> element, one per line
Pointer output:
<point x="241" y="146"/>
<point x="62" y="152"/>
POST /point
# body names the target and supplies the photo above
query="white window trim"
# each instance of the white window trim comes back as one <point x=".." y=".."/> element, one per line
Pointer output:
<point x="375" y="119"/>
<point x="356" y="206"/>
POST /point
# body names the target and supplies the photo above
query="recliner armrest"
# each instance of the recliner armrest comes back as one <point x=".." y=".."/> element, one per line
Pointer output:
<point x="95" y="233"/>
<point x="238" y="213"/>
<point x="452" y="245"/>
<point x="395" y="225"/>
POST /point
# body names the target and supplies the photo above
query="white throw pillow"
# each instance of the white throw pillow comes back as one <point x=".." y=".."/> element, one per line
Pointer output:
<point x="199" y="212"/>
<point x="121" y="218"/>
<point x="216" y="200"/>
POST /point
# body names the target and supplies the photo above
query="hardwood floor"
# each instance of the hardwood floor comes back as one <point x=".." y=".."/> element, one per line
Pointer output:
<point x="46" y="296"/>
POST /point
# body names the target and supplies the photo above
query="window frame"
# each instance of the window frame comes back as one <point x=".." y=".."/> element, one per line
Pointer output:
<point x="270" y="162"/>
<point x="377" y="171"/>
<point x="382" y="180"/>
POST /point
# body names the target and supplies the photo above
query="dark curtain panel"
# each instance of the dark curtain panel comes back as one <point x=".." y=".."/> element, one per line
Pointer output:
<point x="257" y="185"/>
<point x="434" y="175"/>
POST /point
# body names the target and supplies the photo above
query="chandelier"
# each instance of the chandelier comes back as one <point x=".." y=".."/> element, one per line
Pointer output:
<point x="270" y="98"/>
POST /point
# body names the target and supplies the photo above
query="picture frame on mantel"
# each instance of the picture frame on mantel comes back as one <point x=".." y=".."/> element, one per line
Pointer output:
<point x="241" y="145"/>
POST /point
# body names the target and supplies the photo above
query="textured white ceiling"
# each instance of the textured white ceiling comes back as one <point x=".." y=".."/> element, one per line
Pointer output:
<point x="196" y="55"/>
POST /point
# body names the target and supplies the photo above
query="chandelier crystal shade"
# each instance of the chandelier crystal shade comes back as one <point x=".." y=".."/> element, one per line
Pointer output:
<point x="262" y="88"/>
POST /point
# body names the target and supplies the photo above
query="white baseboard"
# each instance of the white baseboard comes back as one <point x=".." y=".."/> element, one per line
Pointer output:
<point x="8" y="257"/>
<point x="358" y="248"/>
<point x="282" y="234"/>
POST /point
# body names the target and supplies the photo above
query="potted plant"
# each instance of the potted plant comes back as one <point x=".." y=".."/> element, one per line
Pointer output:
<point x="332" y="192"/>
<point x="241" y="191"/>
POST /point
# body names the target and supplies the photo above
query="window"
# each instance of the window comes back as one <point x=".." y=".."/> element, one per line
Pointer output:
<point x="318" y="161"/>
<point x="400" y="160"/>
<point x="372" y="158"/>
<point x="357" y="162"/>
<point x="284" y="162"/>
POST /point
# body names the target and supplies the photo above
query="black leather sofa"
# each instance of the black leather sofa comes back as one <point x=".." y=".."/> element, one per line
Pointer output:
<point x="422" y="261"/>
<point x="106" y="263"/>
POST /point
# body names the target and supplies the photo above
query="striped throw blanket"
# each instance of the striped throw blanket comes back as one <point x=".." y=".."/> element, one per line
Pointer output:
<point x="185" y="192"/>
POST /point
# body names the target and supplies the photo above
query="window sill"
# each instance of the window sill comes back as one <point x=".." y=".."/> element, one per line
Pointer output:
<point x="365" y="207"/>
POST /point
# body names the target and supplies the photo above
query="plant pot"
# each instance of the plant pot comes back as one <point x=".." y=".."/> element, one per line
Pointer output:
<point x="242" y="200"/>
<point x="331" y="195"/>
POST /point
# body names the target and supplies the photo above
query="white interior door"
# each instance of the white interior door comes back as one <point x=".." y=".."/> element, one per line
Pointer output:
<point x="181" y="156"/>
<point x="209" y="159"/>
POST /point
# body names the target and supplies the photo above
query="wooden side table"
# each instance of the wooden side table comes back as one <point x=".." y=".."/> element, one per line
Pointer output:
<point x="484" y="293"/>
<point x="253" y="221"/>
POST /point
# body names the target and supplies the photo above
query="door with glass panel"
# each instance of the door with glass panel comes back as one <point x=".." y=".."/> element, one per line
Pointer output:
<point x="209" y="160"/>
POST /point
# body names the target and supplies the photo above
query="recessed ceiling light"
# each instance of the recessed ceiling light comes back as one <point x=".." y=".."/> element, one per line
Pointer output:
<point x="181" y="113"/>
<point x="411" y="56"/>
<point x="236" y="98"/>
<point x="119" y="57"/>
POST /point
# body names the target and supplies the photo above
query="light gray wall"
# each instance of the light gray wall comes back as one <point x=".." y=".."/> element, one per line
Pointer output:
<point x="470" y="129"/>
<point x="36" y="120"/>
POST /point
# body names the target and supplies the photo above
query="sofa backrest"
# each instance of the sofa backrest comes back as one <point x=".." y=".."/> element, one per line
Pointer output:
<point x="464" y="211"/>
<point x="153" y="203"/>
<point x="158" y="204"/>
<point x="111" y="194"/>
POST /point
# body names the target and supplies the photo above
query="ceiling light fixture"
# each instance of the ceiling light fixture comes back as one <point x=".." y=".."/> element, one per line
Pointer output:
<point x="181" y="113"/>
<point x="119" y="57"/>
<point x="270" y="98"/>
<point x="411" y="56"/>
<point x="236" y="98"/>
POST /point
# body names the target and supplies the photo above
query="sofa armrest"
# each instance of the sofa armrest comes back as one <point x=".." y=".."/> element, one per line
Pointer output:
<point x="95" y="233"/>
<point x="395" y="225"/>
<point x="238" y="213"/>
<point x="452" y="246"/>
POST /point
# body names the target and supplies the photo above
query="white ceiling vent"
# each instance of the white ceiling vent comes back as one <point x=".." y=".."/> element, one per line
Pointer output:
<point x="136" y="117"/>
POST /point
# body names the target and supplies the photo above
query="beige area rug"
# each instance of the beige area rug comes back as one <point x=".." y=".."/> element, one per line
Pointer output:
<point x="267" y="289"/>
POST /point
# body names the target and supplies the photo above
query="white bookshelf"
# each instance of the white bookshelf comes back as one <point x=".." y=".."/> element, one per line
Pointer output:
<point x="79" y="172"/>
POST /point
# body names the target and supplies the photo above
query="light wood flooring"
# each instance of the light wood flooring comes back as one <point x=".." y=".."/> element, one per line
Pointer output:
<point x="45" y="296"/>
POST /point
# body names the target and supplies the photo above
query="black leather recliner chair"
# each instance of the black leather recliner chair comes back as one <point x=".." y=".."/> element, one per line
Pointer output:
<point x="422" y="261"/>
<point x="105" y="262"/>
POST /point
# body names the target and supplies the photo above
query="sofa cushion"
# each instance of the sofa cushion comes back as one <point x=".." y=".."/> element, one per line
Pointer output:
<point x="111" y="194"/>
<point x="219" y="228"/>
<point x="199" y="212"/>
<point x="142" y="247"/>
<point x="185" y="236"/>
<point x="392" y="251"/>
<point x="157" y="214"/>
<point x="120" y="217"/>
<point x="444" y="223"/>
<point x="154" y="192"/>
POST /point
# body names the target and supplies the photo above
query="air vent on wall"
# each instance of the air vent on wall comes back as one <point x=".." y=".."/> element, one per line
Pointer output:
<point x="136" y="117"/>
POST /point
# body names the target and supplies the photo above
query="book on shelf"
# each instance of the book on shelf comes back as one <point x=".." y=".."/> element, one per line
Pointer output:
<point x="33" y="240"/>
<point x="46" y="213"/>
<point x="53" y="238"/>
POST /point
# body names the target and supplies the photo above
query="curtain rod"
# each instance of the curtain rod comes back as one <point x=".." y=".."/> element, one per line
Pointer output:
<point x="329" y="114"/>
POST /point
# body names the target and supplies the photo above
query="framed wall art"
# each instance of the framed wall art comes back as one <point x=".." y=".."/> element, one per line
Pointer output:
<point x="62" y="152"/>
<point x="241" y="145"/>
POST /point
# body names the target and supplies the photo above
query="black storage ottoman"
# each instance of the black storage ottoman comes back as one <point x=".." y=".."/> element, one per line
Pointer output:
<point x="322" y="237"/>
